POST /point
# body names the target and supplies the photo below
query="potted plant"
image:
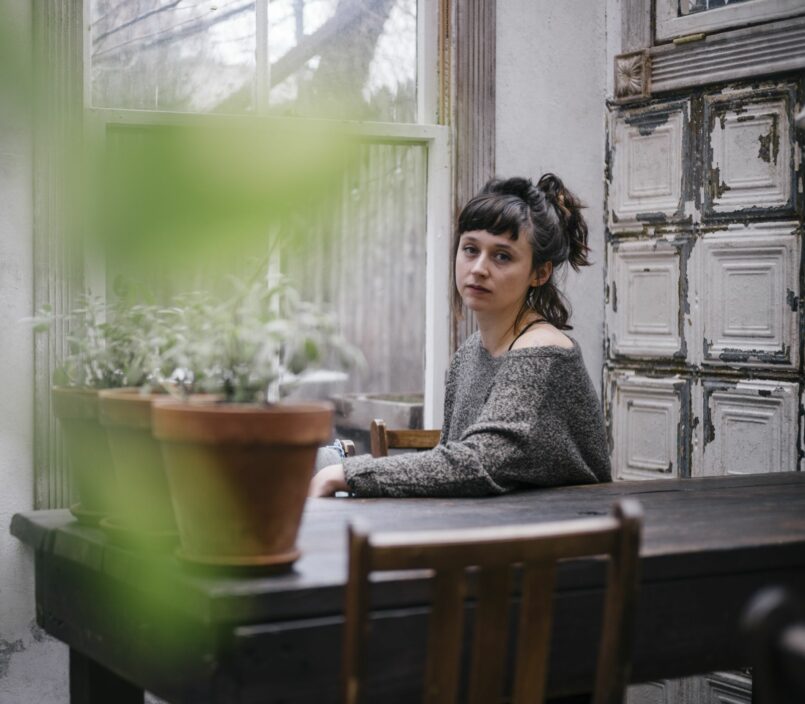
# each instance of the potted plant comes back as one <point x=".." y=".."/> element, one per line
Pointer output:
<point x="113" y="350"/>
<point x="239" y="469"/>
<point x="146" y="336"/>
<point x="99" y="357"/>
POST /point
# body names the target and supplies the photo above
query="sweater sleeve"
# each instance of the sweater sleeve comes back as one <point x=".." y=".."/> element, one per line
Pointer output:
<point x="499" y="452"/>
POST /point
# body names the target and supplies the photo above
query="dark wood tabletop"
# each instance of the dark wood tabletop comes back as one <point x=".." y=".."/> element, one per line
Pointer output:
<point x="192" y="636"/>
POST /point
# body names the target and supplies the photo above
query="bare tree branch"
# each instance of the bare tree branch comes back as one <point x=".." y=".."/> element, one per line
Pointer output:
<point x="158" y="38"/>
<point x="134" y="20"/>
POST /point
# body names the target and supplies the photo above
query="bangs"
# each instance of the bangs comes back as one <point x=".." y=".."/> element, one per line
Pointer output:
<point x="494" y="213"/>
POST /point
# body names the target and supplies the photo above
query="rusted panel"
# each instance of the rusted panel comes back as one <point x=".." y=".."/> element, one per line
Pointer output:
<point x="748" y="426"/>
<point x="646" y="316"/>
<point x="747" y="275"/>
<point x="749" y="153"/>
<point x="649" y="423"/>
<point x="759" y="116"/>
<point x="648" y="154"/>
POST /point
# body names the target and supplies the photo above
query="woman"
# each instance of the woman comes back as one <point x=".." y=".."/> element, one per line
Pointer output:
<point x="520" y="409"/>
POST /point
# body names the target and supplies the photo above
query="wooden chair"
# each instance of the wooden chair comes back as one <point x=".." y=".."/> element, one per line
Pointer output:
<point x="347" y="446"/>
<point x="537" y="548"/>
<point x="382" y="439"/>
<point x="774" y="622"/>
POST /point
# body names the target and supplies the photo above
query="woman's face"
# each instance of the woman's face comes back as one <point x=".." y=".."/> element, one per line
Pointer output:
<point x="493" y="272"/>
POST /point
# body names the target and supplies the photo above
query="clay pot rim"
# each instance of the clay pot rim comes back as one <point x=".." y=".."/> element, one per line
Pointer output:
<point x="170" y="405"/>
<point x="131" y="394"/>
<point x="308" y="423"/>
<point x="85" y="390"/>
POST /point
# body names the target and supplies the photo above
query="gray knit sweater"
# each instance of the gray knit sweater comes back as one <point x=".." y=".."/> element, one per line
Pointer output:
<point x="529" y="418"/>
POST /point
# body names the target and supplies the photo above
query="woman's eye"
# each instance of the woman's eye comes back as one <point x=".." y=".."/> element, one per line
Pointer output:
<point x="468" y="249"/>
<point x="502" y="257"/>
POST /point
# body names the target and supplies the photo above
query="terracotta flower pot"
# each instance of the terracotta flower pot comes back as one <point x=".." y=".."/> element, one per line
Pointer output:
<point x="239" y="475"/>
<point x="87" y="451"/>
<point x="145" y="508"/>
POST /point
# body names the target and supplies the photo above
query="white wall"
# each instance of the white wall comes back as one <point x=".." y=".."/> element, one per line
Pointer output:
<point x="33" y="666"/>
<point x="551" y="90"/>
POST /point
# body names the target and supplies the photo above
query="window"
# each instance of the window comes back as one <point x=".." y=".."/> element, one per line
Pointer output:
<point x="379" y="258"/>
<point x="677" y="18"/>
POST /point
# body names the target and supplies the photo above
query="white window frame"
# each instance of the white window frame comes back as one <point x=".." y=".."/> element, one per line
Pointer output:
<point x="670" y="26"/>
<point x="425" y="133"/>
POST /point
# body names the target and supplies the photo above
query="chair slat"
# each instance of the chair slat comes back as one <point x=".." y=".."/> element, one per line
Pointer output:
<point x="491" y="636"/>
<point x="414" y="439"/>
<point x="377" y="438"/>
<point x="356" y="625"/>
<point x="614" y="653"/>
<point x="381" y="439"/>
<point x="491" y="547"/>
<point x="534" y="633"/>
<point x="444" y="638"/>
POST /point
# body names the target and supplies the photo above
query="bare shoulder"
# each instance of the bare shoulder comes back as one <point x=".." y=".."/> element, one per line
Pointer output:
<point x="543" y="335"/>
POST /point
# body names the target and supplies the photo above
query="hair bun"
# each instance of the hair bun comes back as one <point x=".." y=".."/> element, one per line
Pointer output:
<point x="518" y="187"/>
<point x="568" y="208"/>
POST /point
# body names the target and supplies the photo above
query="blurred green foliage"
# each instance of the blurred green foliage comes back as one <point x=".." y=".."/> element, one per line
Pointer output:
<point x="182" y="199"/>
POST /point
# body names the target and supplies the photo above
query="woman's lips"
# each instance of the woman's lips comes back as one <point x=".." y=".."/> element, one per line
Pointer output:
<point x="476" y="289"/>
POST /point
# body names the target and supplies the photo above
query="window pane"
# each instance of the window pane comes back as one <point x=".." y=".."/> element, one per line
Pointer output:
<point x="365" y="261"/>
<point x="344" y="58"/>
<point x="327" y="58"/>
<point x="181" y="55"/>
<point x="174" y="217"/>
<point x="705" y="5"/>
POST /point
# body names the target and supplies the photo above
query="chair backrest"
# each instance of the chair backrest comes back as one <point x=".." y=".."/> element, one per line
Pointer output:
<point x="382" y="439"/>
<point x="536" y="548"/>
<point x="774" y="622"/>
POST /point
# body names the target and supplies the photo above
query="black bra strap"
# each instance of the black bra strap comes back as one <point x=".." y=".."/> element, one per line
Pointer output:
<point x="523" y="331"/>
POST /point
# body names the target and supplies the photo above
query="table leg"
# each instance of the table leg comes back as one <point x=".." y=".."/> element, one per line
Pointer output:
<point x="91" y="683"/>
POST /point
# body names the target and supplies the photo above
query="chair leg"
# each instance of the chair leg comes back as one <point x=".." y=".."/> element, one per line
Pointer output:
<point x="91" y="683"/>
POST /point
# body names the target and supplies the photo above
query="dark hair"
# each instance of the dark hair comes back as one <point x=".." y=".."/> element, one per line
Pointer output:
<point x="550" y="218"/>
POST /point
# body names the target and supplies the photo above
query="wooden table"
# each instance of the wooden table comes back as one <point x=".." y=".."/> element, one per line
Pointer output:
<point x="135" y="622"/>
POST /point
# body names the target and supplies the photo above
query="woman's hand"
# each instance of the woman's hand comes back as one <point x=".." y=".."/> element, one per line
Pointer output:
<point x="327" y="481"/>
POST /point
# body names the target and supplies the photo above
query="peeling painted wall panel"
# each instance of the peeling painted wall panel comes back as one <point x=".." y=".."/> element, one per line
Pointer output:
<point x="745" y="284"/>
<point x="725" y="688"/>
<point x="750" y="159"/>
<point x="647" y="155"/>
<point x="746" y="427"/>
<point x="649" y="420"/>
<point x="667" y="692"/>
<point x="643" y="320"/>
<point x="802" y="429"/>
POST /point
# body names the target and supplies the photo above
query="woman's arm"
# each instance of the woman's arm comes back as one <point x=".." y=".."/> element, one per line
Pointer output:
<point x="520" y="437"/>
<point x="328" y="480"/>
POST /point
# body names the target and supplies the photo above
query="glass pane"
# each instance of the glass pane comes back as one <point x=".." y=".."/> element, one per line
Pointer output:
<point x="174" y="217"/>
<point x="705" y="5"/>
<point x="327" y="58"/>
<point x="365" y="261"/>
<point x="180" y="55"/>
<point x="344" y="58"/>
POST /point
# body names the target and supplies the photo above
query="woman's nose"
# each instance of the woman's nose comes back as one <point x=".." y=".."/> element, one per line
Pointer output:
<point x="479" y="265"/>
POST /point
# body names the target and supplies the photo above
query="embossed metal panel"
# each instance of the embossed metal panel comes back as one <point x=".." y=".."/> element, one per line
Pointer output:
<point x="802" y="428"/>
<point x="648" y="181"/>
<point x="667" y="692"/>
<point x="649" y="425"/>
<point x="747" y="295"/>
<point x="749" y="156"/>
<point x="745" y="427"/>
<point x="643" y="306"/>
<point x="725" y="688"/>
